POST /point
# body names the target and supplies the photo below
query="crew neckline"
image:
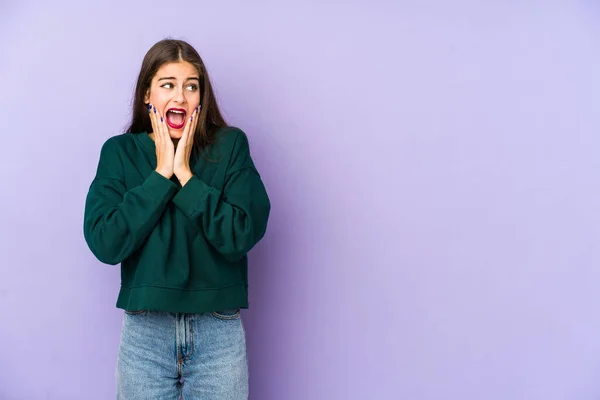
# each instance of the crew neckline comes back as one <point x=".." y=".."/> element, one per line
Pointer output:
<point x="147" y="142"/>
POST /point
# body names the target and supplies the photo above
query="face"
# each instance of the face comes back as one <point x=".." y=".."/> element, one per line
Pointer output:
<point x="175" y="93"/>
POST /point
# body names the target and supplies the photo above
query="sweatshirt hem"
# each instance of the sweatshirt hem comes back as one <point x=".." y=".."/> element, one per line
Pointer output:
<point x="156" y="298"/>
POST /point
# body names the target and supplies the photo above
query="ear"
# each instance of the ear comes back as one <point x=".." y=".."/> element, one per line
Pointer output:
<point x="147" y="96"/>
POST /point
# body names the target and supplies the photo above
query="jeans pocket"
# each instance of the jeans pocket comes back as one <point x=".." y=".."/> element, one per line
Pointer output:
<point x="228" y="314"/>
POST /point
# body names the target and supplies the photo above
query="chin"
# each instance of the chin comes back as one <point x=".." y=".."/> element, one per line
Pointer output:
<point x="176" y="134"/>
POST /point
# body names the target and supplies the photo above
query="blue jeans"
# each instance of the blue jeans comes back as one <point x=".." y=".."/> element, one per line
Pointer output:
<point x="168" y="356"/>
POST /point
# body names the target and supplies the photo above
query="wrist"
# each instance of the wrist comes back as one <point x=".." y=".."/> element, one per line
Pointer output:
<point x="164" y="173"/>
<point x="184" y="176"/>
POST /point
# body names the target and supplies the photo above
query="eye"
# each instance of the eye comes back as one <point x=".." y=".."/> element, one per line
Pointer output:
<point x="192" y="87"/>
<point x="167" y="85"/>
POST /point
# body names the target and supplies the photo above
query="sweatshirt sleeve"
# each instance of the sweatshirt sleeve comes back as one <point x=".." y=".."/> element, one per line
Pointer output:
<point x="233" y="220"/>
<point x="117" y="221"/>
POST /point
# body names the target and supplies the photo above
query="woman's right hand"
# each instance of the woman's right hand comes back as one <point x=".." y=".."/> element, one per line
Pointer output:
<point x="165" y="150"/>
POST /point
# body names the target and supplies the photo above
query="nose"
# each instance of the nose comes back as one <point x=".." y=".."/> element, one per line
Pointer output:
<point x="179" y="97"/>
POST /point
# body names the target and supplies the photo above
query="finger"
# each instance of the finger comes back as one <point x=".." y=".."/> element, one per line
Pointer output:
<point x="154" y="121"/>
<point x="150" y="117"/>
<point x="162" y="124"/>
<point x="186" y="130"/>
<point x="193" y="122"/>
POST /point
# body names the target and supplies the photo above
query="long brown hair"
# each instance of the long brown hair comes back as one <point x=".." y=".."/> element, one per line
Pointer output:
<point x="163" y="52"/>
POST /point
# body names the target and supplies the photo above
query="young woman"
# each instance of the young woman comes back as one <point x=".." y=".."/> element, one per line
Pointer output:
<point x="179" y="203"/>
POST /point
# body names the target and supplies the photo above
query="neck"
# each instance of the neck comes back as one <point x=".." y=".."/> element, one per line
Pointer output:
<point x="175" y="141"/>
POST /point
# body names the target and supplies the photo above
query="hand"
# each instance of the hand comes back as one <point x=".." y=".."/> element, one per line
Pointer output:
<point x="181" y="165"/>
<point x="165" y="149"/>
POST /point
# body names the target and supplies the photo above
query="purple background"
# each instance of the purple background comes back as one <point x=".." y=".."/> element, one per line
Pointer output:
<point x="433" y="167"/>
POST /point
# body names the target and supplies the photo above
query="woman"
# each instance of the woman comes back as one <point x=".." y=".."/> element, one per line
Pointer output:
<point x="179" y="203"/>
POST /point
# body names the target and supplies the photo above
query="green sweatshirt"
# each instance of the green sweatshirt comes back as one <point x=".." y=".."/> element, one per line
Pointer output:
<point x="181" y="249"/>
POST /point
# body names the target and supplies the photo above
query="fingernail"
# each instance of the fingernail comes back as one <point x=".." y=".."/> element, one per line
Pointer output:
<point x="154" y="110"/>
<point x="191" y="118"/>
<point x="149" y="106"/>
<point x="161" y="120"/>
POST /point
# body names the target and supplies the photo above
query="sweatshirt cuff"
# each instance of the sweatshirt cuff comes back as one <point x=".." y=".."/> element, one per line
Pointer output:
<point x="158" y="186"/>
<point x="192" y="197"/>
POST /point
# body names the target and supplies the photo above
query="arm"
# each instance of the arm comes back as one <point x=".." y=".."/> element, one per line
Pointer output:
<point x="236" y="219"/>
<point x="117" y="221"/>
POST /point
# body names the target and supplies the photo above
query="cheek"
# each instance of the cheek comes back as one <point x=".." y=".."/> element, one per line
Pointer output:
<point x="193" y="99"/>
<point x="157" y="99"/>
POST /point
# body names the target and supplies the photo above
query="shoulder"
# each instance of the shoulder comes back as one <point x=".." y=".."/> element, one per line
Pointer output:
<point x="230" y="141"/>
<point x="111" y="157"/>
<point x="233" y="144"/>
<point x="119" y="147"/>
<point x="118" y="143"/>
<point x="231" y="137"/>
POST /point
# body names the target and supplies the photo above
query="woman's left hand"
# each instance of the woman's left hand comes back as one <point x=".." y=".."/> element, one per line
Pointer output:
<point x="181" y="164"/>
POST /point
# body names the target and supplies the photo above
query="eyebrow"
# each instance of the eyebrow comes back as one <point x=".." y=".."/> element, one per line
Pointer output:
<point x="173" y="78"/>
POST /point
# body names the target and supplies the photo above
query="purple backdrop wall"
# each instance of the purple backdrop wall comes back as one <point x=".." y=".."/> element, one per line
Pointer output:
<point x="433" y="168"/>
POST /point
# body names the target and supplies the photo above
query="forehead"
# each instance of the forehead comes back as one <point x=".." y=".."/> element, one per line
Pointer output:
<point x="179" y="70"/>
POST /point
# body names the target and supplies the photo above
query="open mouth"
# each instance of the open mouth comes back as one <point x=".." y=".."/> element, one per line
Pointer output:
<point x="176" y="118"/>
